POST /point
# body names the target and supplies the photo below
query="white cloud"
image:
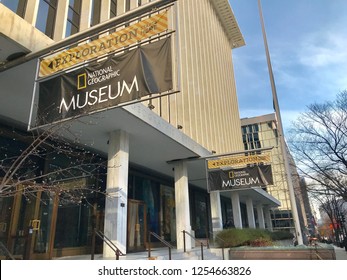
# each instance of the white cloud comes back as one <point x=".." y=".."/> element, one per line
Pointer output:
<point x="323" y="50"/>
<point x="309" y="61"/>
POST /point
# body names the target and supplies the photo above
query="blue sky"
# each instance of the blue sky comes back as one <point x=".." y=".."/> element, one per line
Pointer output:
<point x="308" y="47"/>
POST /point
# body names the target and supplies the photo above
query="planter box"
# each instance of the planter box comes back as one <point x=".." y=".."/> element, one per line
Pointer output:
<point x="295" y="253"/>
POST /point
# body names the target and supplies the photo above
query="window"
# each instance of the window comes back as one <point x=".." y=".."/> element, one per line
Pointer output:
<point x="46" y="16"/>
<point x="250" y="137"/>
<point x="127" y="5"/>
<point x="17" y="6"/>
<point x="96" y="8"/>
<point x="113" y="8"/>
<point x="74" y="222"/>
<point x="73" y="17"/>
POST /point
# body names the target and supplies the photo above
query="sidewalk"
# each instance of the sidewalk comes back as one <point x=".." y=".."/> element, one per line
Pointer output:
<point x="341" y="254"/>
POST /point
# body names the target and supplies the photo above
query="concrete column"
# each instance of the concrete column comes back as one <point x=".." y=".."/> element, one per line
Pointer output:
<point x="250" y="213"/>
<point x="60" y="20"/>
<point x="115" y="227"/>
<point x="133" y="4"/>
<point x="31" y="10"/>
<point x="86" y="13"/>
<point x="105" y="10"/>
<point x="182" y="205"/>
<point x="261" y="216"/>
<point x="121" y="7"/>
<point x="268" y="220"/>
<point x="216" y="211"/>
<point x="235" y="201"/>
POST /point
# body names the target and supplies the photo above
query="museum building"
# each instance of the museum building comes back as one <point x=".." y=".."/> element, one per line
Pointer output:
<point x="109" y="114"/>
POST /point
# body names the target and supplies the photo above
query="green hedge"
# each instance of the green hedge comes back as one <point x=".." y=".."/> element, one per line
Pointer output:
<point x="249" y="237"/>
<point x="281" y="235"/>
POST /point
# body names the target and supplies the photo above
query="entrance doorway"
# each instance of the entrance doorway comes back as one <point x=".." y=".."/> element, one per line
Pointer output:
<point x="30" y="221"/>
<point x="137" y="225"/>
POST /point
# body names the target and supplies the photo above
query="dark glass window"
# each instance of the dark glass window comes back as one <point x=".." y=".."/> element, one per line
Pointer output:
<point x="73" y="224"/>
<point x="113" y="8"/>
<point x="200" y="221"/>
<point x="46" y="16"/>
<point x="148" y="191"/>
<point x="96" y="8"/>
<point x="127" y="5"/>
<point x="73" y="17"/>
<point x="250" y="136"/>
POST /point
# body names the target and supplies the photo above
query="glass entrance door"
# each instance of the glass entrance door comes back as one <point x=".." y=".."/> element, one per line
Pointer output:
<point x="137" y="225"/>
<point x="30" y="223"/>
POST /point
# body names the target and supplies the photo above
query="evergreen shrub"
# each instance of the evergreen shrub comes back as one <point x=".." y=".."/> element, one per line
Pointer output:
<point x="235" y="237"/>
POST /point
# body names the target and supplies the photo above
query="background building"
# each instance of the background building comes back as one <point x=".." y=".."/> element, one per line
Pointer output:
<point x="261" y="132"/>
<point x="148" y="156"/>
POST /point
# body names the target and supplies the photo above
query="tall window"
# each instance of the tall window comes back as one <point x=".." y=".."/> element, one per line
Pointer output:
<point x="46" y="16"/>
<point x="113" y="8"/>
<point x="127" y="5"/>
<point x="250" y="136"/>
<point x="73" y="17"/>
<point x="96" y="8"/>
<point x="17" y="6"/>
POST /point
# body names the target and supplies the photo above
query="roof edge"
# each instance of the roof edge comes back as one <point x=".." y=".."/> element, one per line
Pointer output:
<point x="229" y="23"/>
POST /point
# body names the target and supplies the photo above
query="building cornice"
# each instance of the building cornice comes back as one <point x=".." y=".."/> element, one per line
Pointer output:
<point x="229" y="23"/>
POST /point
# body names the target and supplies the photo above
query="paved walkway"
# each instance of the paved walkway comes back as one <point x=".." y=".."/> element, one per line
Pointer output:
<point x="341" y="253"/>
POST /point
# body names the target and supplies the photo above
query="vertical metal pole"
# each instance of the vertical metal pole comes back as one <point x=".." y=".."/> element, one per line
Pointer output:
<point x="93" y="244"/>
<point x="149" y="244"/>
<point x="202" y="250"/>
<point x="34" y="95"/>
<point x="280" y="135"/>
<point x="117" y="254"/>
<point x="169" y="253"/>
<point x="184" y="240"/>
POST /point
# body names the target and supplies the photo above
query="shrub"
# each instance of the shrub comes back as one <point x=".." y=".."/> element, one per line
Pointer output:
<point x="281" y="235"/>
<point x="232" y="237"/>
<point x="260" y="242"/>
<point x="251" y="237"/>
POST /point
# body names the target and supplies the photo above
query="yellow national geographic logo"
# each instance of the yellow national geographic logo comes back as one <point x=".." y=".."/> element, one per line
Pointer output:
<point x="231" y="174"/>
<point x="82" y="81"/>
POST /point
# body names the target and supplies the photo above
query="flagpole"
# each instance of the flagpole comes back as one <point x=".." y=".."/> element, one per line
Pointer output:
<point x="298" y="231"/>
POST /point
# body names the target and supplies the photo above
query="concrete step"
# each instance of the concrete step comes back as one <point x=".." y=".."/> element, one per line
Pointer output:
<point x="193" y="254"/>
<point x="156" y="254"/>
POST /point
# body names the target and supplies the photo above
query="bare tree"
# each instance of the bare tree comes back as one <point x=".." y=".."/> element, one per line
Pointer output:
<point x="24" y="168"/>
<point x="318" y="141"/>
<point x="335" y="211"/>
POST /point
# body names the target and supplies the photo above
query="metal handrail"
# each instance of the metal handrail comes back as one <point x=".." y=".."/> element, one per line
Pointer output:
<point x="162" y="240"/>
<point x="201" y="243"/>
<point x="315" y="252"/>
<point x="113" y="247"/>
<point x="6" y="251"/>
<point x="221" y="239"/>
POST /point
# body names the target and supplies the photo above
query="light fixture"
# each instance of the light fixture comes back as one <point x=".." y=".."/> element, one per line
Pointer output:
<point x="213" y="151"/>
<point x="179" y="126"/>
<point x="151" y="106"/>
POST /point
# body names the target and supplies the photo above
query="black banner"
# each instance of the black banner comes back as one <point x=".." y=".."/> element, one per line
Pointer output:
<point x="140" y="72"/>
<point x="240" y="178"/>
